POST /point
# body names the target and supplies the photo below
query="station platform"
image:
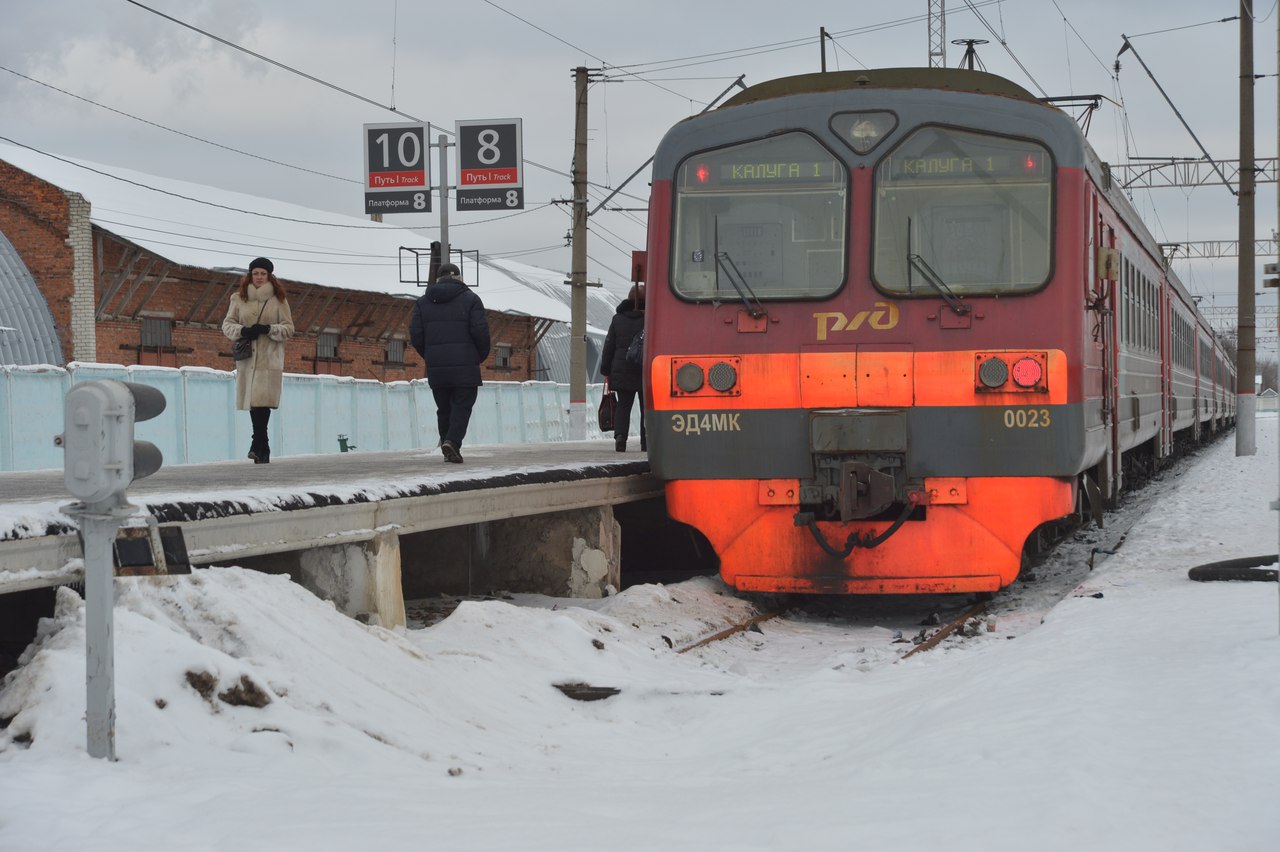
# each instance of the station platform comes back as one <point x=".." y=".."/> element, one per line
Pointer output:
<point x="353" y="525"/>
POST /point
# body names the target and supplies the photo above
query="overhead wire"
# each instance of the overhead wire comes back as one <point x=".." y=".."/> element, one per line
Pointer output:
<point x="173" y="130"/>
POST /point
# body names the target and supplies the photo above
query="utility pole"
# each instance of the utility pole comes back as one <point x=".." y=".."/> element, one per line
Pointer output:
<point x="1246" y="357"/>
<point x="578" y="275"/>
<point x="822" y="45"/>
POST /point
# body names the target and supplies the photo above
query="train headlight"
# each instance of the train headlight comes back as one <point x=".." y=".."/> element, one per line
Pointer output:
<point x="993" y="373"/>
<point x="689" y="377"/>
<point x="722" y="376"/>
<point x="1027" y="372"/>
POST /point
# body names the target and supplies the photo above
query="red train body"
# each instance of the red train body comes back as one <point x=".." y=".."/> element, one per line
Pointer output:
<point x="896" y="321"/>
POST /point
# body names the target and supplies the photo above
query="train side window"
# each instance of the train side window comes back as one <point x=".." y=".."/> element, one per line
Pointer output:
<point x="976" y="207"/>
<point x="768" y="214"/>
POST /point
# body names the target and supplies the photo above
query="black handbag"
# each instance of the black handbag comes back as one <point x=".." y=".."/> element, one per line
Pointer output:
<point x="242" y="349"/>
<point x="608" y="407"/>
<point x="635" y="352"/>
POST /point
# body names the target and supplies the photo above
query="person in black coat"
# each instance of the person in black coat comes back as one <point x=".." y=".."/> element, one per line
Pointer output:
<point x="449" y="329"/>
<point x="624" y="377"/>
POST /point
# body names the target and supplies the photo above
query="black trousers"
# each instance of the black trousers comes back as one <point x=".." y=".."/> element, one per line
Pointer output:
<point x="259" y="417"/>
<point x="453" y="412"/>
<point x="622" y="417"/>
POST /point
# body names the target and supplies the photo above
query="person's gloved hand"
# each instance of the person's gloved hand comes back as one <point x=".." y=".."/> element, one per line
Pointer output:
<point x="249" y="332"/>
<point x="260" y="329"/>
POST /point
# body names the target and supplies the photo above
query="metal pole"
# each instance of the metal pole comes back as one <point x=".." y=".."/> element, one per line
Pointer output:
<point x="822" y="43"/>
<point x="1246" y="328"/>
<point x="443" y="142"/>
<point x="578" y="275"/>
<point x="99" y="601"/>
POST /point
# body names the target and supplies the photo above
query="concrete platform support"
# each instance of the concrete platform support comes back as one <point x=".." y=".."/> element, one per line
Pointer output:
<point x="362" y="579"/>
<point x="576" y="553"/>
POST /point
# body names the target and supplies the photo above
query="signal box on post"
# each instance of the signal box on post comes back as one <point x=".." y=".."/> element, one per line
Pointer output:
<point x="101" y="457"/>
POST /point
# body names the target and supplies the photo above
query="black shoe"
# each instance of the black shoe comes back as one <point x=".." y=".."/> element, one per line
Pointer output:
<point x="261" y="457"/>
<point x="620" y="446"/>
<point x="451" y="453"/>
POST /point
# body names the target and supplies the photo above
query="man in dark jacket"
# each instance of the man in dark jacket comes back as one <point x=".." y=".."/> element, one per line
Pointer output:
<point x="449" y="329"/>
<point x="625" y="377"/>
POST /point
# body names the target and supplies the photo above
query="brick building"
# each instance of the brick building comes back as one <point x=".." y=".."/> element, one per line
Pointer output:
<point x="79" y="283"/>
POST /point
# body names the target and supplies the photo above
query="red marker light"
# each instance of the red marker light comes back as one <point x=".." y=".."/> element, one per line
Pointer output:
<point x="1031" y="163"/>
<point x="702" y="173"/>
<point x="1027" y="372"/>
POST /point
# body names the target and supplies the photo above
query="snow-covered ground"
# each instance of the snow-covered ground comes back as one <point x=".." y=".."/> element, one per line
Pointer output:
<point x="1143" y="714"/>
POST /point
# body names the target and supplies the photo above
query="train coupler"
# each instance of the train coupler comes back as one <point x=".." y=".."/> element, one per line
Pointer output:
<point x="854" y="541"/>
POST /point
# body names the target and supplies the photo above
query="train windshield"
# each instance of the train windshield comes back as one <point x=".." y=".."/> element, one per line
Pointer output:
<point x="764" y="219"/>
<point x="973" y="208"/>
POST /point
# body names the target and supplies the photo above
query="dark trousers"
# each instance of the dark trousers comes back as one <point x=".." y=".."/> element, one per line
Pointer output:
<point x="259" y="417"/>
<point x="453" y="412"/>
<point x="622" y="417"/>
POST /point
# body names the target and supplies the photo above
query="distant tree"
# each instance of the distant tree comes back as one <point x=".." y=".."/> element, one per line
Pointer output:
<point x="1228" y="341"/>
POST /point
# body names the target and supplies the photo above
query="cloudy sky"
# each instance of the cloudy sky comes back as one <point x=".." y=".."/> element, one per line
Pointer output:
<point x="117" y="82"/>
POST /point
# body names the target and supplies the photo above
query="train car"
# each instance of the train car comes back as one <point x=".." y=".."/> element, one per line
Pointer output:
<point x="897" y="321"/>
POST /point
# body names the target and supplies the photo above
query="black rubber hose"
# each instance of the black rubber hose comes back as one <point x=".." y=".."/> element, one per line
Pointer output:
<point x="1244" y="568"/>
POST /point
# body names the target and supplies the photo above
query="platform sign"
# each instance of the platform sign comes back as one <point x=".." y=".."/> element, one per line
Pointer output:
<point x="397" y="168"/>
<point x="490" y="165"/>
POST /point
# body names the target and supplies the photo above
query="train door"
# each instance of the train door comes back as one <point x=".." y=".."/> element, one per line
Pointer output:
<point x="1104" y="280"/>
<point x="1110" y="476"/>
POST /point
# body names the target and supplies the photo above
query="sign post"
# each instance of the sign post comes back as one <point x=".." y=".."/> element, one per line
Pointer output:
<point x="490" y="171"/>
<point x="397" y="170"/>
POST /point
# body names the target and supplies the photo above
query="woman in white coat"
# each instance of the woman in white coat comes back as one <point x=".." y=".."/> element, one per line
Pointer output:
<point x="259" y="312"/>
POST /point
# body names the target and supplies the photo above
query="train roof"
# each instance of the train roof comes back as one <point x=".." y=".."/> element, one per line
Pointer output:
<point x="951" y="79"/>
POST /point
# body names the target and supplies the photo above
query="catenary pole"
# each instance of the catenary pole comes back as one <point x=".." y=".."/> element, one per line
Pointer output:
<point x="1246" y="328"/>
<point x="578" y="275"/>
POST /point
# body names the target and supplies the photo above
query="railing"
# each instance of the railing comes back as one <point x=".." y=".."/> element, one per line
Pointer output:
<point x="317" y="414"/>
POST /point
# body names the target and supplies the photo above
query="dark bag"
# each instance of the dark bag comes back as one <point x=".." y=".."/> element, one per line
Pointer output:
<point x="242" y="349"/>
<point x="608" y="407"/>
<point x="635" y="352"/>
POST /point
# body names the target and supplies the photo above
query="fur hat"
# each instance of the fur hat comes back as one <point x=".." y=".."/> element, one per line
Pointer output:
<point x="262" y="263"/>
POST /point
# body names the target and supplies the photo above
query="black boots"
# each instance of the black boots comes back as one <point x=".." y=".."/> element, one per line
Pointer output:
<point x="260" y="451"/>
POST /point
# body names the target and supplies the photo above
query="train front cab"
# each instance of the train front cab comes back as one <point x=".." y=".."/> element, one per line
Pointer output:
<point x="862" y="442"/>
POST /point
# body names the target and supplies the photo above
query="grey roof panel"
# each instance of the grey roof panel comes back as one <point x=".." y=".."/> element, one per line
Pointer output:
<point x="27" y="332"/>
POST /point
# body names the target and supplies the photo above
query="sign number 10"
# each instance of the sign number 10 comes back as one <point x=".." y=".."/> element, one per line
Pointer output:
<point x="408" y="150"/>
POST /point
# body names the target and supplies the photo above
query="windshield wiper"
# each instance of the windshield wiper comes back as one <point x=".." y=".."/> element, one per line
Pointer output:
<point x="915" y="261"/>
<point x="724" y="262"/>
<point x="935" y="281"/>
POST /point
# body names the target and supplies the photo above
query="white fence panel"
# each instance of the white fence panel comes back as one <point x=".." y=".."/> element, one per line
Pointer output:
<point x="200" y="422"/>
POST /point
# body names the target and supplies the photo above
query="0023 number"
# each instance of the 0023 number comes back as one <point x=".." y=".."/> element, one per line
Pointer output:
<point x="1026" y="418"/>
